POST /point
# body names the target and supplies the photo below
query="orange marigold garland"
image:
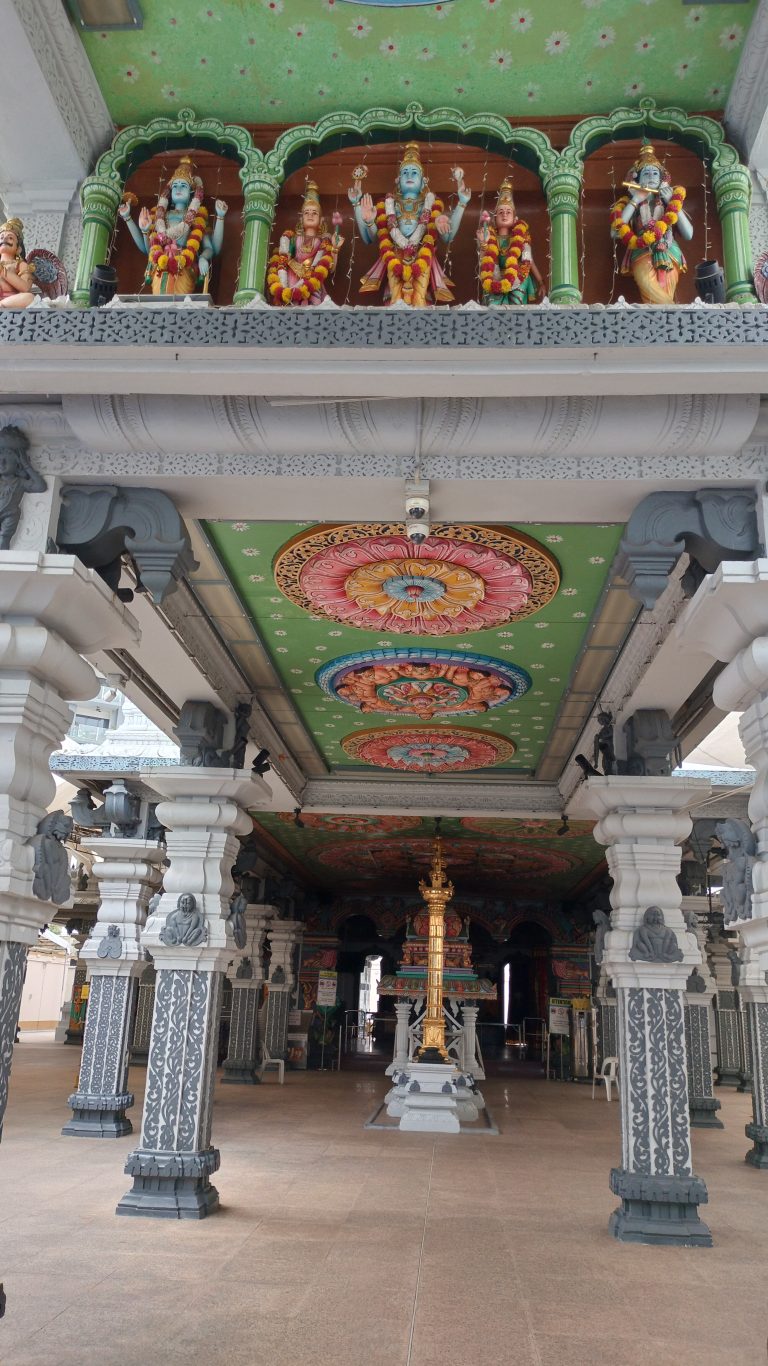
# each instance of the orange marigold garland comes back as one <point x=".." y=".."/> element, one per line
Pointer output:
<point x="514" y="272"/>
<point x="656" y="230"/>
<point x="167" y="256"/>
<point x="312" y="283"/>
<point x="411" y="262"/>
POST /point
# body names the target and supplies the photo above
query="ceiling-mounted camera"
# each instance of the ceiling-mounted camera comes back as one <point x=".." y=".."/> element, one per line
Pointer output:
<point x="417" y="526"/>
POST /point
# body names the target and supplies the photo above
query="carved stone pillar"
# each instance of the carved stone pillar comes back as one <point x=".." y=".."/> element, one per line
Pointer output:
<point x="607" y="1022"/>
<point x="127" y="871"/>
<point x="142" y="1027"/>
<point x="469" y="1063"/>
<point x="400" y="1060"/>
<point x="51" y="610"/>
<point x="190" y="938"/>
<point x="283" y="936"/>
<point x="246" y="975"/>
<point x="700" y="989"/>
<point x="648" y="959"/>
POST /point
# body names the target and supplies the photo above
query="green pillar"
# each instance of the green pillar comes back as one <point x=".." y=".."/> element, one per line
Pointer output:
<point x="100" y="199"/>
<point x="562" y="187"/>
<point x="260" y="201"/>
<point x="733" y="189"/>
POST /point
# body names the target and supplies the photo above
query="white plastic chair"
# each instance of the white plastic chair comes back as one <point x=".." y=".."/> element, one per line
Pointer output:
<point x="609" y="1073"/>
<point x="268" y="1061"/>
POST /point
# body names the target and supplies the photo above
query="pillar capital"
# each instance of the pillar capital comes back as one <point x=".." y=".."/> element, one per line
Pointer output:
<point x="127" y="871"/>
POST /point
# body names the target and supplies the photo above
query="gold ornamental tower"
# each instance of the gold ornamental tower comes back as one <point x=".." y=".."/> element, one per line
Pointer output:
<point x="437" y="893"/>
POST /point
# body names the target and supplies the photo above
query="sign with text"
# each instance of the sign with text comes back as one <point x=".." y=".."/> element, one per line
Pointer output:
<point x="559" y="1015"/>
<point x="326" y="989"/>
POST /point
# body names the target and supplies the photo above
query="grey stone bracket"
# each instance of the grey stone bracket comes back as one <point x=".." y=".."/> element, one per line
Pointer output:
<point x="101" y="523"/>
<point x="711" y="525"/>
<point x="659" y="1209"/>
<point x="171" y="1185"/>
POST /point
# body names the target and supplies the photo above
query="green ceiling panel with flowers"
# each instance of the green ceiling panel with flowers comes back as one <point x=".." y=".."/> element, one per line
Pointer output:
<point x="509" y="648"/>
<point x="262" y="61"/>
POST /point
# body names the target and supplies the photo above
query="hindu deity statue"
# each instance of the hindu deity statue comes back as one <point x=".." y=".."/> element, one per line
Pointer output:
<point x="16" y="272"/>
<point x="175" y="234"/>
<point x="644" y="222"/>
<point x="305" y="258"/>
<point x="508" y="272"/>
<point x="406" y="226"/>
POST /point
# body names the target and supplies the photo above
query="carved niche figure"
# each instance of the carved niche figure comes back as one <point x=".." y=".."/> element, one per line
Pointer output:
<point x="17" y="477"/>
<point x="185" y="925"/>
<point x="174" y="235"/>
<point x="111" y="946"/>
<point x="305" y="258"/>
<point x="739" y="845"/>
<point x="406" y="226"/>
<point x="602" y="925"/>
<point x="236" y="754"/>
<point x="652" y="942"/>
<point x="737" y="963"/>
<point x="605" y="753"/>
<point x="508" y="272"/>
<point x="236" y="920"/>
<point x="51" y="874"/>
<point x="691" y="922"/>
<point x="244" y="970"/>
<point x="644" y="221"/>
<point x="16" y="272"/>
<point x="696" y="982"/>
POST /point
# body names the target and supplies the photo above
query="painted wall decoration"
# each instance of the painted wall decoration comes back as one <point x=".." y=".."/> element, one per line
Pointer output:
<point x="422" y="683"/>
<point x="305" y="647"/>
<point x="421" y="750"/>
<point x="410" y="857"/>
<point x="460" y="579"/>
<point x="497" y="827"/>
<point x="369" y="826"/>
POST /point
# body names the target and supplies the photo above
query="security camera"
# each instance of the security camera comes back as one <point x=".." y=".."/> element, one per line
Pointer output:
<point x="417" y="531"/>
<point x="416" y="509"/>
<point x="417" y="526"/>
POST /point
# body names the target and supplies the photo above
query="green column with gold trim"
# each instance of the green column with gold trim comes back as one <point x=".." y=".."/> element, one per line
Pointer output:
<point x="562" y="187"/>
<point x="261" y="194"/>
<point x="100" y="200"/>
<point x="733" y="191"/>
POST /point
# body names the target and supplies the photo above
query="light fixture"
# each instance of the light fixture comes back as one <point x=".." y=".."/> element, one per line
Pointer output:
<point x="103" y="16"/>
<point x="564" y="826"/>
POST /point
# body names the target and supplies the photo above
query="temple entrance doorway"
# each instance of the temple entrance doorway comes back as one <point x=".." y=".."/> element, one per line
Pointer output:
<point x="368" y="1030"/>
<point x="524" y="985"/>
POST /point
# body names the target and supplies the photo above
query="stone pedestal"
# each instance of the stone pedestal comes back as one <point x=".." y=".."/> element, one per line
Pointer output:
<point x="52" y="610"/>
<point x="127" y="871"/>
<point x="283" y="936"/>
<point x="641" y="822"/>
<point x="469" y="1061"/>
<point x="400" y="1060"/>
<point x="436" y="1097"/>
<point x="204" y="811"/>
<point x="246" y="976"/>
<point x="142" y="1027"/>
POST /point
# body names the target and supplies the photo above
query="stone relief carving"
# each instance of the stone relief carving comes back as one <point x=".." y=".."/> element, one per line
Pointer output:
<point x="51" y="869"/>
<point x="17" y="477"/>
<point x="696" y="982"/>
<point x="111" y="946"/>
<point x="737" y="963"/>
<point x="652" y="942"/>
<point x="186" y="925"/>
<point x="236" y="920"/>
<point x="739" y="845"/>
<point x="651" y="744"/>
<point x="100" y="524"/>
<point x="199" y="731"/>
<point x="602" y="926"/>
<point x="691" y="922"/>
<point x="244" y="971"/>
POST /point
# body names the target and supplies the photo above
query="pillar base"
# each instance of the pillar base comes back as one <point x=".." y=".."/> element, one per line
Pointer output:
<point x="97" y="1116"/>
<point x="727" y="1079"/>
<point x="745" y="1085"/>
<point x="171" y="1185"/>
<point x="659" y="1210"/>
<point x="703" y="1113"/>
<point x="757" y="1155"/>
<point x="433" y="1098"/>
<point x="138" y="1057"/>
<point x="239" y="1074"/>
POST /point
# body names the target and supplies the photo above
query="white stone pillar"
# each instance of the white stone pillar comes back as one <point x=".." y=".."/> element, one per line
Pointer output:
<point x="127" y="872"/>
<point x="642" y="821"/>
<point x="400" y="1060"/>
<point x="728" y="619"/>
<point x="52" y="610"/>
<point x="469" y="1016"/>
<point x="204" y="811"/>
<point x="246" y="975"/>
<point x="283" y="936"/>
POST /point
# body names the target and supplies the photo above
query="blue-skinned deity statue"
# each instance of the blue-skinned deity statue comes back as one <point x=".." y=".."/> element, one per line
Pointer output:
<point x="175" y="234"/>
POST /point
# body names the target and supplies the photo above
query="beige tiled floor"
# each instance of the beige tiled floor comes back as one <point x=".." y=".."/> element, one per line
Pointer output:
<point x="338" y="1246"/>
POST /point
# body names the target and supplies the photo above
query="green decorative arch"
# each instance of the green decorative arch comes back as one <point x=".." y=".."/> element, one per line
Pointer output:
<point x="706" y="138"/>
<point x="296" y="146"/>
<point x="102" y="192"/>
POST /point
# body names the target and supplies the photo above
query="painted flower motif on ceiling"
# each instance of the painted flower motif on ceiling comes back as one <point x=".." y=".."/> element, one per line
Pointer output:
<point x="421" y="750"/>
<point x="422" y="684"/>
<point x="352" y="825"/>
<point x="460" y="579"/>
<point x="557" y="43"/>
<point x="520" y="21"/>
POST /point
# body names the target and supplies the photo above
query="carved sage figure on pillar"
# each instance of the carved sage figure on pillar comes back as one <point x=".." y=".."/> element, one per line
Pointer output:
<point x="508" y="272"/>
<point x="305" y="258"/>
<point x="644" y="222"/>
<point x="16" y="272"/>
<point x="17" y="477"/>
<point x="174" y="235"/>
<point x="406" y="226"/>
<point x="51" y="880"/>
<point x="652" y="942"/>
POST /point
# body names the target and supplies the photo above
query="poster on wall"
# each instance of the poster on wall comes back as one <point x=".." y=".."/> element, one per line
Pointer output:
<point x="559" y="1015"/>
<point x="326" y="989"/>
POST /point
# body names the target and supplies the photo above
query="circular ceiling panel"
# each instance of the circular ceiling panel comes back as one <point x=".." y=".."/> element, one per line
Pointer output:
<point x="422" y="683"/>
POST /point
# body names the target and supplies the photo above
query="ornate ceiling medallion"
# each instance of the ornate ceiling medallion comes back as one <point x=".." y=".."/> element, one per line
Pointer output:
<point x="460" y="579"/>
<point x="421" y="750"/>
<point x="422" y="683"/>
<point x="399" y="858"/>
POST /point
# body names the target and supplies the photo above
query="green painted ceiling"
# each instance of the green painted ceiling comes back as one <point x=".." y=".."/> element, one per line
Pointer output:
<point x="264" y="61"/>
<point x="545" y="644"/>
<point x="505" y="856"/>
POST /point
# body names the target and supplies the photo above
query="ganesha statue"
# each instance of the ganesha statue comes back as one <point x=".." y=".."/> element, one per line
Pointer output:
<point x="406" y="226"/>
<point x="305" y="258"/>
<point x="508" y="273"/>
<point x="644" y="222"/>
<point x="175" y="235"/>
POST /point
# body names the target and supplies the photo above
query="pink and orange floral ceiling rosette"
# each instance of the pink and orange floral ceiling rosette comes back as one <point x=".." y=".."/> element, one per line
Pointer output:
<point x="460" y="579"/>
<point x="449" y="749"/>
<point x="422" y="682"/>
